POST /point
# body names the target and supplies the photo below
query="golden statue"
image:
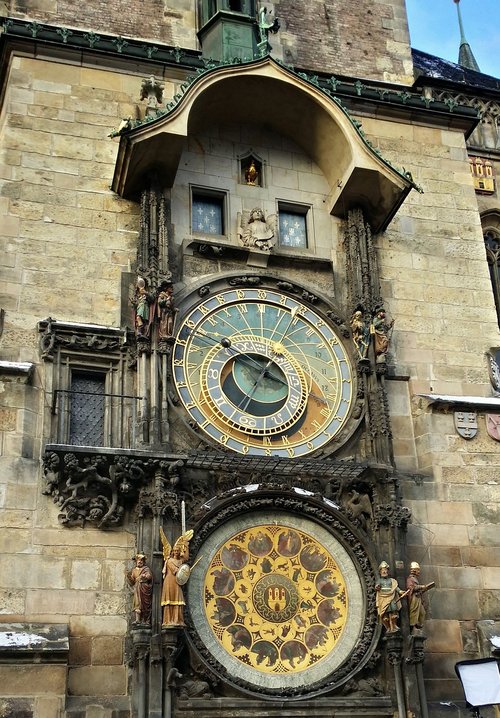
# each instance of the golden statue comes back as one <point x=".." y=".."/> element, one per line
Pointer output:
<point x="251" y="174"/>
<point x="176" y="573"/>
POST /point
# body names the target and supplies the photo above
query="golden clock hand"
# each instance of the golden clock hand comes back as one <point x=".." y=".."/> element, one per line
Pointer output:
<point x="252" y="363"/>
<point x="225" y="342"/>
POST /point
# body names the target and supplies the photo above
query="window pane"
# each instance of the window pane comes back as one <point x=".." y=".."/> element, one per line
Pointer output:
<point x="86" y="420"/>
<point x="207" y="215"/>
<point x="293" y="231"/>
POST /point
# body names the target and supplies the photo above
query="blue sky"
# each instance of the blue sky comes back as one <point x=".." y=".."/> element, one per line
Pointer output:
<point x="434" y="28"/>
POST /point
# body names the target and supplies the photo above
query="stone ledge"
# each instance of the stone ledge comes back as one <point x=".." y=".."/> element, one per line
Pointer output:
<point x="34" y="643"/>
<point x="317" y="708"/>
<point x="21" y="371"/>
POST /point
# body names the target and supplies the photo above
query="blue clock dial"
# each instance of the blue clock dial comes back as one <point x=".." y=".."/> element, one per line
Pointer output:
<point x="261" y="373"/>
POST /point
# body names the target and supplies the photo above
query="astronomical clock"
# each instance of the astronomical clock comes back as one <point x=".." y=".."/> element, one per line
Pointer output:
<point x="264" y="376"/>
<point x="262" y="373"/>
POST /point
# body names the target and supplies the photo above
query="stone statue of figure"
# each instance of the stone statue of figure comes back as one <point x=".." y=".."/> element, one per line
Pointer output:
<point x="140" y="579"/>
<point x="256" y="231"/>
<point x="266" y="25"/>
<point x="152" y="91"/>
<point x="142" y="305"/>
<point x="175" y="574"/>
<point x="360" y="333"/>
<point x="388" y="599"/>
<point x="380" y="330"/>
<point x="415" y="591"/>
<point x="166" y="311"/>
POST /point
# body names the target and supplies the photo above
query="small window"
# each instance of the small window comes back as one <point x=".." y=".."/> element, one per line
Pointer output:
<point x="492" y="244"/>
<point x="293" y="226"/>
<point x="235" y="5"/>
<point x="87" y="406"/>
<point x="207" y="213"/>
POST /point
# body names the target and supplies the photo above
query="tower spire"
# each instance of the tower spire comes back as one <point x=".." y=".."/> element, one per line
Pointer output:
<point x="465" y="55"/>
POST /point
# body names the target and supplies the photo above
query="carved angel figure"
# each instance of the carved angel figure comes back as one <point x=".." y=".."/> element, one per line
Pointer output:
<point x="175" y="574"/>
<point x="255" y="230"/>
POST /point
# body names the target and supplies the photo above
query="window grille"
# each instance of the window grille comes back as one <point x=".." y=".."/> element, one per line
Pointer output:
<point x="87" y="406"/>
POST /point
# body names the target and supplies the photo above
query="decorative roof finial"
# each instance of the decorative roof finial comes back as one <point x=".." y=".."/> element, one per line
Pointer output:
<point x="465" y="55"/>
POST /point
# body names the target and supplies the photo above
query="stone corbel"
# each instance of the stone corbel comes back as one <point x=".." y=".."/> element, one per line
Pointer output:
<point x="96" y="486"/>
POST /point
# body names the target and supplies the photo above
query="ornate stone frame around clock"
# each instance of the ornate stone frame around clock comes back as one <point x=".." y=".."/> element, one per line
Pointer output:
<point x="324" y="513"/>
<point x="321" y="304"/>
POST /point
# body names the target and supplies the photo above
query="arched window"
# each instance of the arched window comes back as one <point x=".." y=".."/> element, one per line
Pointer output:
<point x="491" y="234"/>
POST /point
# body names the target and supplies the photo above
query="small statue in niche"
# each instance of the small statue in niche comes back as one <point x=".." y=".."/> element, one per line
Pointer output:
<point x="166" y="311"/>
<point x="175" y="574"/>
<point x="255" y="231"/>
<point x="143" y="309"/>
<point x="252" y="174"/>
<point x="360" y="329"/>
<point x="388" y="599"/>
<point x="381" y="335"/>
<point x="415" y="591"/>
<point x="140" y="579"/>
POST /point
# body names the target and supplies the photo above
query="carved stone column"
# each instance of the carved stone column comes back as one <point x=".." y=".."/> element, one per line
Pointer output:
<point x="415" y="674"/>
<point x="364" y="299"/>
<point x="153" y="269"/>
<point x="141" y="638"/>
<point x="394" y="644"/>
<point x="170" y="642"/>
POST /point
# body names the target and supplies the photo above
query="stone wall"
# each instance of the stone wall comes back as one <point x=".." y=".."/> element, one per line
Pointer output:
<point x="436" y="283"/>
<point x="369" y="36"/>
<point x="66" y="239"/>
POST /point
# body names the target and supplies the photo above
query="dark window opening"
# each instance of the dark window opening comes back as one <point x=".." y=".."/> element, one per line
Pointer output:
<point x="87" y="406"/>
<point x="492" y="243"/>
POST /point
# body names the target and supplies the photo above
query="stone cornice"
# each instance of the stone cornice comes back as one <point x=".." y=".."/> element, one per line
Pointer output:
<point x="34" y="643"/>
<point x="467" y="403"/>
<point x="360" y="95"/>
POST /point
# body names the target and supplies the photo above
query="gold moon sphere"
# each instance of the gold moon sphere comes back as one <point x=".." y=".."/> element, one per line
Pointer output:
<point x="275" y="599"/>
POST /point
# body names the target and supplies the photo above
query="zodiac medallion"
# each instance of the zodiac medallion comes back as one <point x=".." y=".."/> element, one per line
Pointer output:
<point x="275" y="599"/>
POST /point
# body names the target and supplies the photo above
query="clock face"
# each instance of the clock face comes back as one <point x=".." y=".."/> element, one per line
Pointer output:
<point x="261" y="373"/>
<point x="277" y="601"/>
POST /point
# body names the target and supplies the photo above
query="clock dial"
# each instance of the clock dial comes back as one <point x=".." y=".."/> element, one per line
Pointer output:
<point x="261" y="373"/>
<point x="276" y="600"/>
